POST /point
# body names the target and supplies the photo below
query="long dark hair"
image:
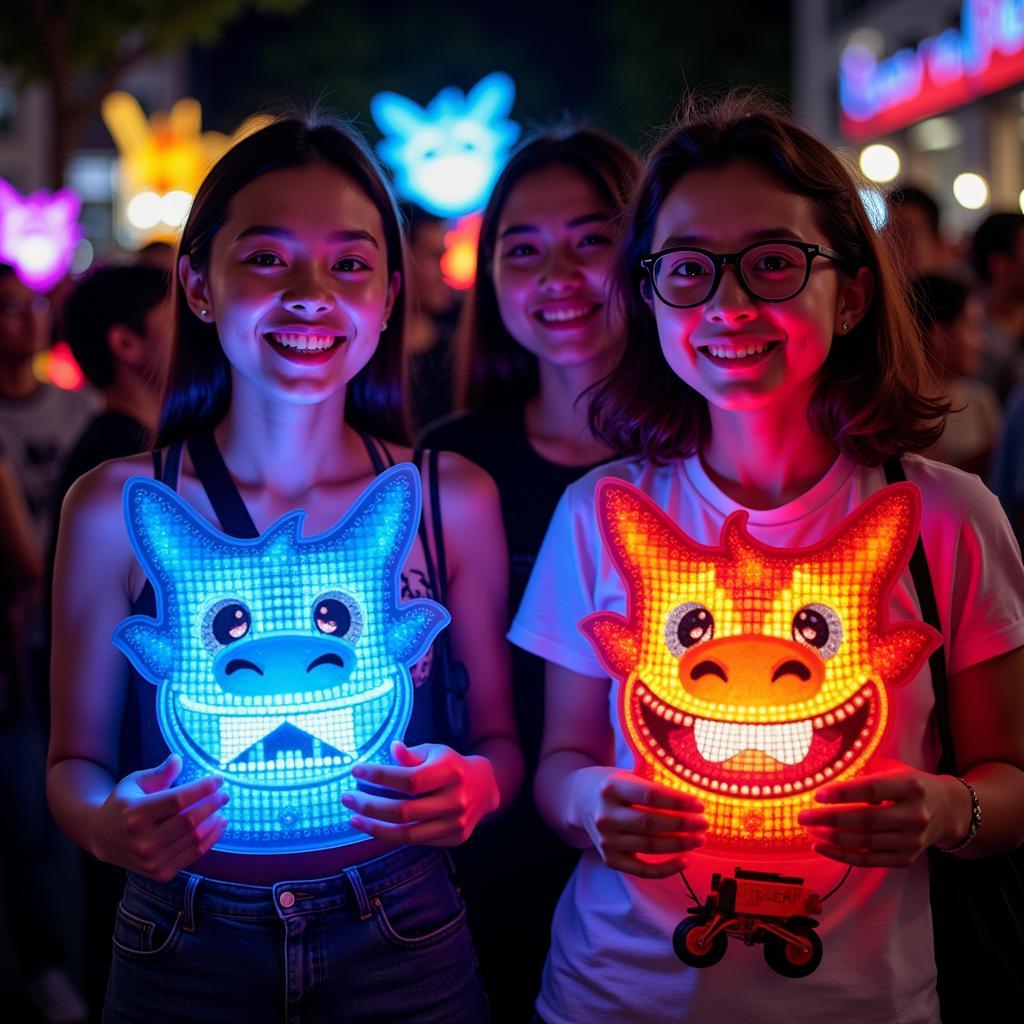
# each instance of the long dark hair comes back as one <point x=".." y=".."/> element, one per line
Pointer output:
<point x="198" y="390"/>
<point x="493" y="368"/>
<point x="870" y="398"/>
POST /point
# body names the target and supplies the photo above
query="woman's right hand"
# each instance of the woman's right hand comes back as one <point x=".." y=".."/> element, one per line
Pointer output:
<point x="637" y="826"/>
<point x="147" y="827"/>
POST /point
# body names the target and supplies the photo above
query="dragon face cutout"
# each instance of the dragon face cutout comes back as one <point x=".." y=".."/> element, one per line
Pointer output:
<point x="752" y="675"/>
<point x="282" y="661"/>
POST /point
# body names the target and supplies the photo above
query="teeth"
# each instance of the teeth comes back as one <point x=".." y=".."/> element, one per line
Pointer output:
<point x="563" y="315"/>
<point x="723" y="352"/>
<point x="787" y="743"/>
<point x="305" y="342"/>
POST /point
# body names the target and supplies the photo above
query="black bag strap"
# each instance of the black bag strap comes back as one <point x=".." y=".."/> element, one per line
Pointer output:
<point x="894" y="473"/>
<point x="437" y="588"/>
<point x="213" y="474"/>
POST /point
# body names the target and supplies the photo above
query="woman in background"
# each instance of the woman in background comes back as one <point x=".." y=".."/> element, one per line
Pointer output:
<point x="539" y="329"/>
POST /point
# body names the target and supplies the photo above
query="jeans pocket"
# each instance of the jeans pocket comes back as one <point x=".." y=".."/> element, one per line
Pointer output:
<point x="422" y="912"/>
<point x="146" y="928"/>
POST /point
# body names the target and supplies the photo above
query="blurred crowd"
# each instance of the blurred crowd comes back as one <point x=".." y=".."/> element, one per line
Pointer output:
<point x="118" y="322"/>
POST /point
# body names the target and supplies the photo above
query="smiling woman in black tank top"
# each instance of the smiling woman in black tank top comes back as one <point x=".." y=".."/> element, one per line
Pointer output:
<point x="285" y="378"/>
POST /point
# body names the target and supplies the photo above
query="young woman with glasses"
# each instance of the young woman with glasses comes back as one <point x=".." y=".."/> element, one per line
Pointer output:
<point x="771" y="368"/>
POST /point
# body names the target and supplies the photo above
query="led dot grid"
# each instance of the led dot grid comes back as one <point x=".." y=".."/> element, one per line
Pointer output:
<point x="284" y="740"/>
<point x="755" y="765"/>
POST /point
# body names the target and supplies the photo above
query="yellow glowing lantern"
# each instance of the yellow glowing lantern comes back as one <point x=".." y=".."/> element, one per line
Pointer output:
<point x="753" y="675"/>
<point x="163" y="160"/>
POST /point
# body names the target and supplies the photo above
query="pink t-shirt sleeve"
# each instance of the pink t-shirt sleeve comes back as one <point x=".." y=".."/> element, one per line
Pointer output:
<point x="561" y="590"/>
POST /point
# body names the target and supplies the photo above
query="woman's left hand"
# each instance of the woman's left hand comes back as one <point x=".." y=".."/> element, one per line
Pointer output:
<point x="888" y="818"/>
<point x="448" y="795"/>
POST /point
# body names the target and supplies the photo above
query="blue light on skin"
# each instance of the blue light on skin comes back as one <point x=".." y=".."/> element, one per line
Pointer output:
<point x="281" y="662"/>
<point x="446" y="156"/>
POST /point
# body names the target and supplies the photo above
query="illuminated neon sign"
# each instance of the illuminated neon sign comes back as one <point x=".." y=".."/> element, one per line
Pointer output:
<point x="752" y="675"/>
<point x="38" y="234"/>
<point x="983" y="55"/>
<point x="446" y="156"/>
<point x="283" y="661"/>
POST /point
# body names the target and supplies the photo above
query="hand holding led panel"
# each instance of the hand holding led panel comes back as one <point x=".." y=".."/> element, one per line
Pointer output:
<point x="752" y="675"/>
<point x="283" y="661"/>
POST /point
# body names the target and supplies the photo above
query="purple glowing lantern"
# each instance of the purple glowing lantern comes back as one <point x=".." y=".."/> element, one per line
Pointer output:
<point x="38" y="234"/>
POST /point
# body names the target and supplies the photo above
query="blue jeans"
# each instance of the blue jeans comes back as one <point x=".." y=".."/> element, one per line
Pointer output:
<point x="384" y="941"/>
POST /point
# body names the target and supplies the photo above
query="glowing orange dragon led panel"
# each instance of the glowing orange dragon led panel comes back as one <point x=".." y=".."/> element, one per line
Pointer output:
<point x="752" y="675"/>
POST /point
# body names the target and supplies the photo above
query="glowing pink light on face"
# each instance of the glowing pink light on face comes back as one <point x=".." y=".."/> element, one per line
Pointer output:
<point x="38" y="234"/>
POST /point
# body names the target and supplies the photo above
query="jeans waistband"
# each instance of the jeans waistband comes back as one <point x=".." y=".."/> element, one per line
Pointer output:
<point x="355" y="886"/>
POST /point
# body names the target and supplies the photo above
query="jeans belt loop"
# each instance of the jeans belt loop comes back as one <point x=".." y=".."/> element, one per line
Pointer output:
<point x="191" y="887"/>
<point x="359" y="891"/>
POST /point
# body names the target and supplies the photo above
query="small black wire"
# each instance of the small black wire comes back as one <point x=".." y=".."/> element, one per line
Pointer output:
<point x="833" y="891"/>
<point x="686" y="882"/>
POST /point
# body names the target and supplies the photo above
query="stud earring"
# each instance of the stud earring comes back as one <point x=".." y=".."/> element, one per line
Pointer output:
<point x="843" y="326"/>
<point x="384" y="325"/>
<point x="202" y="312"/>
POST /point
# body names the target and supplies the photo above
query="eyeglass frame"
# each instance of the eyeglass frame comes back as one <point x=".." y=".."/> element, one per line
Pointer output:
<point x="721" y="259"/>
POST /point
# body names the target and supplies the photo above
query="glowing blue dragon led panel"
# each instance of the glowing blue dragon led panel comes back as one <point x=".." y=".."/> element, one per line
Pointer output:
<point x="281" y="661"/>
<point x="446" y="156"/>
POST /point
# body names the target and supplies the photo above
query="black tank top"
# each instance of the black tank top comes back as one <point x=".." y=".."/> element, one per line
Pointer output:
<point x="438" y="713"/>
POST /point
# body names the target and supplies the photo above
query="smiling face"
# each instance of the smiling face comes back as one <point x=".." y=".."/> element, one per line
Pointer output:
<point x="552" y="257"/>
<point x="752" y="675"/>
<point x="738" y="352"/>
<point x="297" y="282"/>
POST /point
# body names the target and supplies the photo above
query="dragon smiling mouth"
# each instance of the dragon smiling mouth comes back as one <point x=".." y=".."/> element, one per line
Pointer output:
<point x="755" y="759"/>
<point x="268" y="741"/>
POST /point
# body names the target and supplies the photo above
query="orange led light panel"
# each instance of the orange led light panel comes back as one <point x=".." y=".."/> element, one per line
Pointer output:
<point x="752" y="675"/>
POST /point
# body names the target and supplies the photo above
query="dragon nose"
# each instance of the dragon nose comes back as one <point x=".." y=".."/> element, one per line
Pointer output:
<point x="284" y="663"/>
<point x="751" y="670"/>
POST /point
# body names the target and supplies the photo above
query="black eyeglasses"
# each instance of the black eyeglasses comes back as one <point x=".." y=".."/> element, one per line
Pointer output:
<point x="771" y="271"/>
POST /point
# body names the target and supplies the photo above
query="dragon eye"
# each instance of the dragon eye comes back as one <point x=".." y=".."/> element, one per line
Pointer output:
<point x="227" y="621"/>
<point x="688" y="624"/>
<point x="817" y="626"/>
<point x="336" y="614"/>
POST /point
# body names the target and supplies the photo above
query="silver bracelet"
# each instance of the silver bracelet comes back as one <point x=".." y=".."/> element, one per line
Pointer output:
<point x="972" y="829"/>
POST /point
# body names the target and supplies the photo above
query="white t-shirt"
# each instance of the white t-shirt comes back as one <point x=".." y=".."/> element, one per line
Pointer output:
<point x="611" y="956"/>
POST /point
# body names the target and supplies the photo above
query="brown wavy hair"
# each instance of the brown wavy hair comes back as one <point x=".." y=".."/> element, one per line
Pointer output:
<point x="870" y="398"/>
<point x="198" y="391"/>
<point x="492" y="367"/>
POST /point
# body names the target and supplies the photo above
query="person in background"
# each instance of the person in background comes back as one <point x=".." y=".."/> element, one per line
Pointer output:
<point x="997" y="255"/>
<point x="916" y="221"/>
<point x="432" y="313"/>
<point x="538" y="331"/>
<point x="39" y="423"/>
<point x="1007" y="476"/>
<point x="157" y="254"/>
<point x="949" y="316"/>
<point x="119" y="323"/>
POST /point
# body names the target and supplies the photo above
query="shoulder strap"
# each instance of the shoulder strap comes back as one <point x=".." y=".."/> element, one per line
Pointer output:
<point x="435" y="518"/>
<point x="894" y="473"/>
<point x="213" y="474"/>
<point x="375" y="457"/>
<point x="428" y="558"/>
<point x="166" y="470"/>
